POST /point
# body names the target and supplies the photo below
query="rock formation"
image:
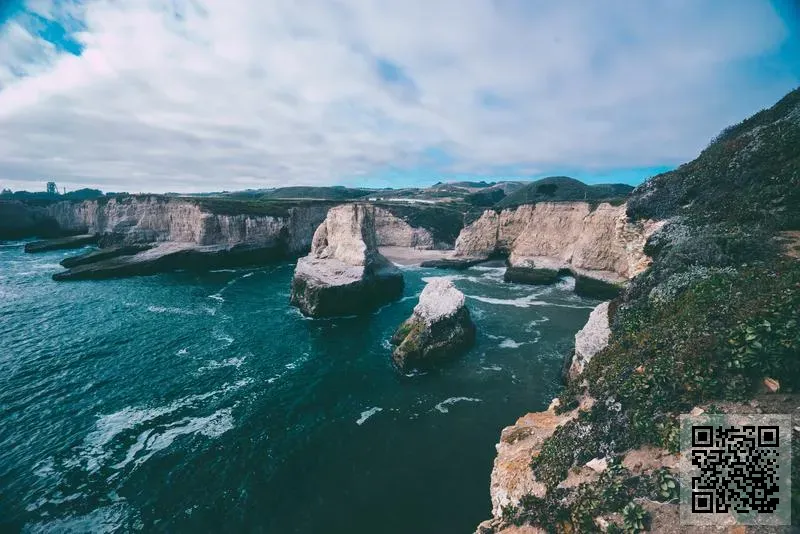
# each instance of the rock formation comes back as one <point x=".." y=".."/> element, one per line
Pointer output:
<point x="512" y="477"/>
<point x="439" y="328"/>
<point x="600" y="243"/>
<point x="18" y="221"/>
<point x="393" y="231"/>
<point x="591" y="339"/>
<point x="345" y="274"/>
<point x="208" y="233"/>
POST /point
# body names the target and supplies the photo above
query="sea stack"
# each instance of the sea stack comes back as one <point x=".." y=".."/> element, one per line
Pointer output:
<point x="440" y="328"/>
<point x="345" y="274"/>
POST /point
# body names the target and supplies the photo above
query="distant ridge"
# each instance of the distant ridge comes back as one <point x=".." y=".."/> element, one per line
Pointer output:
<point x="564" y="188"/>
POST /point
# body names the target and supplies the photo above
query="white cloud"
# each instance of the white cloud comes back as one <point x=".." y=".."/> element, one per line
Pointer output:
<point x="211" y="94"/>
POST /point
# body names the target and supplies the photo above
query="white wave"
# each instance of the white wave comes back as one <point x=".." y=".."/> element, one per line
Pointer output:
<point x="492" y="336"/>
<point x="217" y="297"/>
<point x="536" y="322"/>
<point x="415" y="372"/>
<point x="567" y="284"/>
<point x="492" y="368"/>
<point x="222" y="271"/>
<point x="410" y="297"/>
<point x="97" y="451"/>
<point x="248" y="275"/>
<point x="525" y="302"/>
<point x="230" y="362"/>
<point x="294" y="364"/>
<point x="386" y="344"/>
<point x="442" y="406"/>
<point x="152" y="441"/>
<point x="509" y="343"/>
<point x="182" y="352"/>
<point x="222" y="336"/>
<point x="173" y="311"/>
<point x="366" y="414"/>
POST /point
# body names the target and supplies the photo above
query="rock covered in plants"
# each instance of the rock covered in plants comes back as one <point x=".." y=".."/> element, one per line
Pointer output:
<point x="345" y="274"/>
<point x="591" y="339"/>
<point x="440" y="328"/>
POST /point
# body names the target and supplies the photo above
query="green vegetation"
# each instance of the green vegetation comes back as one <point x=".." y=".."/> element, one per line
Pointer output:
<point x="563" y="188"/>
<point x="750" y="174"/>
<point x="444" y="221"/>
<point x="320" y="193"/>
<point x="716" y="313"/>
<point x="273" y="208"/>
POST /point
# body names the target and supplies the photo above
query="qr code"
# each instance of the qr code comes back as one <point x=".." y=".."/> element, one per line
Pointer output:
<point x="736" y="468"/>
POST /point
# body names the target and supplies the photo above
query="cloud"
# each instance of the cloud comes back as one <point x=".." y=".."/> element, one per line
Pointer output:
<point x="194" y="95"/>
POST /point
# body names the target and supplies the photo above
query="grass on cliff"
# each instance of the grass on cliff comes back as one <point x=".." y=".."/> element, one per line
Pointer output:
<point x="261" y="207"/>
<point x="749" y="174"/>
<point x="716" y="341"/>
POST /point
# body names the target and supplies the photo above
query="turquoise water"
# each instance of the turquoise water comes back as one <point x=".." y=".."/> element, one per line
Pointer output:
<point x="185" y="403"/>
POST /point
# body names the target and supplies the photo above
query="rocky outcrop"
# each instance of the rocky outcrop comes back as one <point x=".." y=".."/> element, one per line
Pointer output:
<point x="591" y="339"/>
<point x="18" y="221"/>
<point x="599" y="242"/>
<point x="512" y="477"/>
<point x="345" y="274"/>
<point x="62" y="243"/>
<point x="169" y="256"/>
<point x="393" y="231"/>
<point x="440" y="328"/>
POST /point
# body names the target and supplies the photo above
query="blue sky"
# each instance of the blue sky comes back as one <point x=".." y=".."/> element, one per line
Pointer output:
<point x="198" y="95"/>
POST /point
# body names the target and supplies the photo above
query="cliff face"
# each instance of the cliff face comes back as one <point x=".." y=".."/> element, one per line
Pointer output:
<point x="562" y="235"/>
<point x="155" y="219"/>
<point x="392" y="231"/>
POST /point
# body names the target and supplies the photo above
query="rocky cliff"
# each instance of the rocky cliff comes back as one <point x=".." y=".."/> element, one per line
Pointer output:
<point x="392" y="231"/>
<point x="205" y="232"/>
<point x="598" y="241"/>
<point x="344" y="273"/>
<point x="150" y="219"/>
<point x="711" y="322"/>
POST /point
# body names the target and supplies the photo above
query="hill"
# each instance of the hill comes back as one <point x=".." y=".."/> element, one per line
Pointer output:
<point x="563" y="188"/>
<point x="750" y="173"/>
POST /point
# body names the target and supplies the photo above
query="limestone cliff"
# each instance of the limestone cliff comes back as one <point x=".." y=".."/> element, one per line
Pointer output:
<point x="344" y="273"/>
<point x="556" y="235"/>
<point x="393" y="231"/>
<point x="155" y="219"/>
<point x="591" y="339"/>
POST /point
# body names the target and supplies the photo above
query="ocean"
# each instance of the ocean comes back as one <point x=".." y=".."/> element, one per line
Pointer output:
<point x="190" y="402"/>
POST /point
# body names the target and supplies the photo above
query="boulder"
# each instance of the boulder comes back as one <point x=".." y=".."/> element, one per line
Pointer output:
<point x="440" y="328"/>
<point x="345" y="274"/>
<point x="531" y="275"/>
<point x="457" y="264"/>
<point x="591" y="339"/>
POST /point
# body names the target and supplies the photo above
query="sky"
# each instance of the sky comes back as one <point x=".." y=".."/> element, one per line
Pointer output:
<point x="210" y="95"/>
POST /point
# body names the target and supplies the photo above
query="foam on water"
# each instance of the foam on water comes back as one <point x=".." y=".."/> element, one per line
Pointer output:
<point x="442" y="406"/>
<point x="170" y="310"/>
<point x="366" y="414"/>
<point x="217" y="364"/>
<point x="509" y="343"/>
